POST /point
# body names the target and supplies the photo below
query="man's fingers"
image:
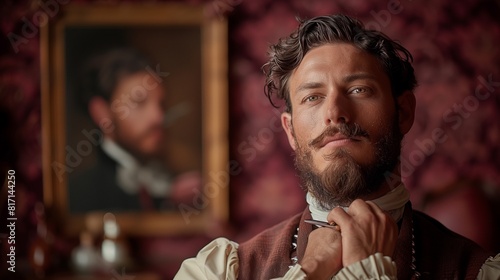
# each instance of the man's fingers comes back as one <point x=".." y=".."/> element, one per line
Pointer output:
<point x="374" y="207"/>
<point x="359" y="206"/>
<point x="363" y="209"/>
<point x="338" y="217"/>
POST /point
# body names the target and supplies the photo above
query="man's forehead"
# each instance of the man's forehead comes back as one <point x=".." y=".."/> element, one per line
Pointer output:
<point x="338" y="56"/>
<point x="139" y="83"/>
<point x="344" y="61"/>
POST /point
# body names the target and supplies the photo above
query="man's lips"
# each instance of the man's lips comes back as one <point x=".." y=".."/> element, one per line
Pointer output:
<point x="342" y="134"/>
<point x="336" y="140"/>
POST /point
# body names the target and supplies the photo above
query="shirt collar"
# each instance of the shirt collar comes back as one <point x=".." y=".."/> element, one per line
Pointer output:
<point x="393" y="202"/>
<point x="131" y="175"/>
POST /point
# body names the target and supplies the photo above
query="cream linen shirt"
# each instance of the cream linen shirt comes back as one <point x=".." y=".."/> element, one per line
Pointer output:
<point x="219" y="260"/>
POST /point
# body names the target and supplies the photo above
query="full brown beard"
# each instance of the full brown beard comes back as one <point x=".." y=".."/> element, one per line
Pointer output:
<point x="344" y="180"/>
<point x="132" y="144"/>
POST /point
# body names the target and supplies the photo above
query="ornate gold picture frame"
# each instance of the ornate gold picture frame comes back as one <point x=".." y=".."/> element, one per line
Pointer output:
<point x="189" y="51"/>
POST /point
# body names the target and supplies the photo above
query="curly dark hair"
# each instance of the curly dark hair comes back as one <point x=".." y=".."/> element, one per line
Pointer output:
<point x="102" y="73"/>
<point x="288" y="53"/>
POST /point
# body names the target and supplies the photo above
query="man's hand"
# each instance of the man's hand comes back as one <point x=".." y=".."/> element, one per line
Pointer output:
<point x="323" y="256"/>
<point x="365" y="229"/>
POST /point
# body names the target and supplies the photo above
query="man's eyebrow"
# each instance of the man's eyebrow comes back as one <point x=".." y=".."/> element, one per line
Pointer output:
<point x="309" y="85"/>
<point x="347" y="79"/>
<point x="358" y="76"/>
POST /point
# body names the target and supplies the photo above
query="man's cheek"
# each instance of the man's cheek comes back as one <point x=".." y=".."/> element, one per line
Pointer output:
<point x="319" y="162"/>
<point x="365" y="154"/>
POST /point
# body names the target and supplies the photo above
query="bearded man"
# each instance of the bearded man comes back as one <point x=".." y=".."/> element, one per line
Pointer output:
<point x="126" y="101"/>
<point x="349" y="101"/>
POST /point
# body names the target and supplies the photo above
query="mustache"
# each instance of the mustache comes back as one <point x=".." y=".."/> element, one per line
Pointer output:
<point x="348" y="130"/>
<point x="152" y="129"/>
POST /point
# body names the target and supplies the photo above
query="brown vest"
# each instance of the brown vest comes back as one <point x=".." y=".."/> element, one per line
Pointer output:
<point x="439" y="252"/>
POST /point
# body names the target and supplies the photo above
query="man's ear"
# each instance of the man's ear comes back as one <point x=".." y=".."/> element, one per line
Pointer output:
<point x="99" y="110"/>
<point x="407" y="103"/>
<point x="286" y="122"/>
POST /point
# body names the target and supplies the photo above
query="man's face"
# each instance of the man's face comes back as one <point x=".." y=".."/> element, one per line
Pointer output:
<point x="344" y="126"/>
<point x="137" y="110"/>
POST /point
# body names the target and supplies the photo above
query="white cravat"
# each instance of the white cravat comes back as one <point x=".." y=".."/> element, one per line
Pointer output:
<point x="130" y="174"/>
<point x="393" y="202"/>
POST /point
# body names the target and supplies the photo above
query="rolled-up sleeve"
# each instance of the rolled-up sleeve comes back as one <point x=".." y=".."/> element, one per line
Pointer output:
<point x="490" y="269"/>
<point x="376" y="266"/>
<point x="217" y="260"/>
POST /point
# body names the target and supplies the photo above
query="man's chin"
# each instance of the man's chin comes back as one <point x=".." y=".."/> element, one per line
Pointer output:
<point x="343" y="156"/>
<point x="152" y="145"/>
<point x="150" y="152"/>
<point x="337" y="158"/>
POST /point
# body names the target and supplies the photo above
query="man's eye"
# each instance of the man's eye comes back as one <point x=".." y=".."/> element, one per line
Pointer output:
<point x="359" y="90"/>
<point x="311" y="98"/>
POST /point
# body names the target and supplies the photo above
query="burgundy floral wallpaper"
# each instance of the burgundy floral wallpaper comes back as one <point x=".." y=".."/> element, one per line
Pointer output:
<point x="454" y="142"/>
<point x="451" y="157"/>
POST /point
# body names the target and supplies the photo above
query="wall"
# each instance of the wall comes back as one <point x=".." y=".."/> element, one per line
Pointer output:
<point x="453" y="147"/>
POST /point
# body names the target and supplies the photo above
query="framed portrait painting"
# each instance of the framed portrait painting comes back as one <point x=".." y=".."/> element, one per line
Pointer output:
<point x="134" y="104"/>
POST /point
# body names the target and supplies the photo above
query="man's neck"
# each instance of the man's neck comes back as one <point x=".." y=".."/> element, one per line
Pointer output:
<point x="392" y="202"/>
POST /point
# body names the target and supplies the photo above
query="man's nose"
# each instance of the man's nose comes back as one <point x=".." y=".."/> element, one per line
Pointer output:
<point x="156" y="113"/>
<point x="337" y="108"/>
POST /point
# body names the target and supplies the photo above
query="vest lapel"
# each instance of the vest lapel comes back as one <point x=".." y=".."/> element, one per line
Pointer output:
<point x="403" y="252"/>
<point x="304" y="230"/>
